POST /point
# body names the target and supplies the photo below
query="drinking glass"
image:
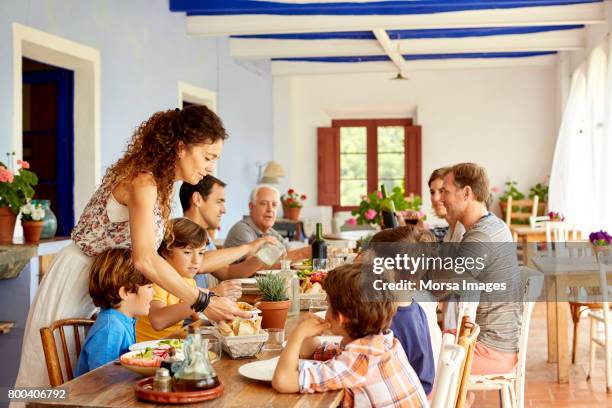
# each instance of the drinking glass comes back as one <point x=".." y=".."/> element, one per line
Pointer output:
<point x="319" y="265"/>
<point x="276" y="338"/>
<point x="317" y="305"/>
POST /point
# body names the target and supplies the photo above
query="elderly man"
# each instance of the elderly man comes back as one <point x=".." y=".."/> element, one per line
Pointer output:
<point x="204" y="204"/>
<point x="264" y="202"/>
<point x="465" y="195"/>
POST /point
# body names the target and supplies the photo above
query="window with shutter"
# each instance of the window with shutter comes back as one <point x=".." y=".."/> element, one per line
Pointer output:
<point x="356" y="156"/>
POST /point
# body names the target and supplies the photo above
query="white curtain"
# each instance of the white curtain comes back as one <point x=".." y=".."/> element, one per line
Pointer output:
<point x="581" y="178"/>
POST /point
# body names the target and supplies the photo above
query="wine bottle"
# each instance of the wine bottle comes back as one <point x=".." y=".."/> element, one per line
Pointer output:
<point x="388" y="209"/>
<point x="319" y="247"/>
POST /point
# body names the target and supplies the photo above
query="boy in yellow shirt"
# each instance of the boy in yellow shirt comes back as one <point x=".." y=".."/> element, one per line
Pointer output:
<point x="183" y="247"/>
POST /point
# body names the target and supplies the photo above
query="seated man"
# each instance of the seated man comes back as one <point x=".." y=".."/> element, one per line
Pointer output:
<point x="466" y="191"/>
<point x="263" y="204"/>
<point x="204" y="204"/>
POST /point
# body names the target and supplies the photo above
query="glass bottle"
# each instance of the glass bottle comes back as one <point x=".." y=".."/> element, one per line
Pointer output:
<point x="196" y="373"/>
<point x="388" y="209"/>
<point x="319" y="247"/>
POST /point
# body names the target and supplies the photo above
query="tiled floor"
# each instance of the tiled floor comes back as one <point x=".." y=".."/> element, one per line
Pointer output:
<point x="542" y="389"/>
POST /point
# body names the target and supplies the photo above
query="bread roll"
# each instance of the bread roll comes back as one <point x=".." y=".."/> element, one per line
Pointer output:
<point x="225" y="329"/>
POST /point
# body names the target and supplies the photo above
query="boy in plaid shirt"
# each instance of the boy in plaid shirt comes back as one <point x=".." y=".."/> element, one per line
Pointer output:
<point x="370" y="364"/>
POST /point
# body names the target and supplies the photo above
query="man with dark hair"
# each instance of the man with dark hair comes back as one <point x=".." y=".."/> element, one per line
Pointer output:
<point x="204" y="204"/>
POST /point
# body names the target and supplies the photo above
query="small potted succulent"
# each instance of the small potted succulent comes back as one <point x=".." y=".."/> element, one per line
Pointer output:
<point x="274" y="303"/>
<point x="32" y="222"/>
<point x="601" y="241"/>
<point x="292" y="204"/>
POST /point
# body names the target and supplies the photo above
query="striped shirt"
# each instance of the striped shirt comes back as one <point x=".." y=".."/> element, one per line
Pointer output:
<point x="373" y="371"/>
<point x="499" y="313"/>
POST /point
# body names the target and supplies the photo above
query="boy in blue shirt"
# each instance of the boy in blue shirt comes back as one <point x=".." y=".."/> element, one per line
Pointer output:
<point x="410" y="325"/>
<point x="121" y="292"/>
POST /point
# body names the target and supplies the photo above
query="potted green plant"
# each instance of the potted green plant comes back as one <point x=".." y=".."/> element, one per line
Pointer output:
<point x="32" y="222"/>
<point x="370" y="208"/>
<point x="540" y="190"/>
<point x="274" y="303"/>
<point x="16" y="188"/>
<point x="601" y="242"/>
<point x="510" y="191"/>
<point x="292" y="204"/>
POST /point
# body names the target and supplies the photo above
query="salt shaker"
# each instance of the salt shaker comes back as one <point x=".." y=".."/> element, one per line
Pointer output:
<point x="161" y="381"/>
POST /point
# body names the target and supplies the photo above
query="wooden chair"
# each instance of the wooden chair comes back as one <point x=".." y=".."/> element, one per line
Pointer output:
<point x="450" y="361"/>
<point x="467" y="339"/>
<point x="47" y="334"/>
<point x="558" y="233"/>
<point x="602" y="317"/>
<point x="512" y="385"/>
<point x="521" y="215"/>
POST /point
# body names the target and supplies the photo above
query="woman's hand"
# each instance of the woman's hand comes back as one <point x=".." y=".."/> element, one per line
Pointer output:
<point x="222" y="308"/>
<point x="229" y="288"/>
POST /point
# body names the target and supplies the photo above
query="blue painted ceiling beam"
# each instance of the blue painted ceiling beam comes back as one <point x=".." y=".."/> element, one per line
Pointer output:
<point x="239" y="7"/>
<point x="416" y="57"/>
<point x="415" y="34"/>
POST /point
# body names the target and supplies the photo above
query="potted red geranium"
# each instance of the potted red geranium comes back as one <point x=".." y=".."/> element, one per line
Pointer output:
<point x="292" y="204"/>
<point x="16" y="188"/>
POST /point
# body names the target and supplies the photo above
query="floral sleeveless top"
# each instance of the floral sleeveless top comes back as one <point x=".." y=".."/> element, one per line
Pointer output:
<point x="96" y="232"/>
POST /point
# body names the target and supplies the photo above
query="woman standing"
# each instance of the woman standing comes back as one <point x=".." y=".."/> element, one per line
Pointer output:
<point x="130" y="209"/>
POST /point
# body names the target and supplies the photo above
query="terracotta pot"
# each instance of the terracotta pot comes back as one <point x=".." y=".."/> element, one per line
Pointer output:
<point x="292" y="213"/>
<point x="32" y="231"/>
<point x="274" y="314"/>
<point x="7" y="224"/>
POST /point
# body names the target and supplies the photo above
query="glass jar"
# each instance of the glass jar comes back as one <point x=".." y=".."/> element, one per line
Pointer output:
<point x="196" y="373"/>
<point x="270" y="253"/>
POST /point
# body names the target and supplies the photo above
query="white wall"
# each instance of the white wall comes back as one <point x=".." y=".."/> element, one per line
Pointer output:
<point x="503" y="119"/>
<point x="145" y="52"/>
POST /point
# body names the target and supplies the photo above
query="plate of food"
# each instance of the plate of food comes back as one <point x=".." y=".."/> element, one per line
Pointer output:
<point x="162" y="343"/>
<point x="264" y="272"/>
<point x="146" y="360"/>
<point x="302" y="264"/>
<point x="263" y="370"/>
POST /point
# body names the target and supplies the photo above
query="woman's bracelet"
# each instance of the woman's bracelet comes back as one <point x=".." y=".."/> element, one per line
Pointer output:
<point x="203" y="300"/>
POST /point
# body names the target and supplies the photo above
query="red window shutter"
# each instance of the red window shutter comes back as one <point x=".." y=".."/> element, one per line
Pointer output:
<point x="413" y="164"/>
<point x="328" y="166"/>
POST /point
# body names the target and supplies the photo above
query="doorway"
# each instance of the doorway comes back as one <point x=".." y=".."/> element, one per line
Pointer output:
<point x="48" y="136"/>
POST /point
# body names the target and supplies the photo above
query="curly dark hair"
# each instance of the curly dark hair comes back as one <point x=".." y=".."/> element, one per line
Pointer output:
<point x="154" y="146"/>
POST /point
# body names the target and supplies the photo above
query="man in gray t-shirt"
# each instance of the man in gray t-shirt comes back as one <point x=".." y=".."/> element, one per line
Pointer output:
<point x="466" y="190"/>
<point x="263" y="204"/>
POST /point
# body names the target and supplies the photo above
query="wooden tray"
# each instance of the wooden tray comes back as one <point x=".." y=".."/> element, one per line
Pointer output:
<point x="144" y="391"/>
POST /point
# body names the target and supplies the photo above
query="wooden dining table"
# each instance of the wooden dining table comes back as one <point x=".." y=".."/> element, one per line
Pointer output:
<point x="561" y="273"/>
<point x="113" y="386"/>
